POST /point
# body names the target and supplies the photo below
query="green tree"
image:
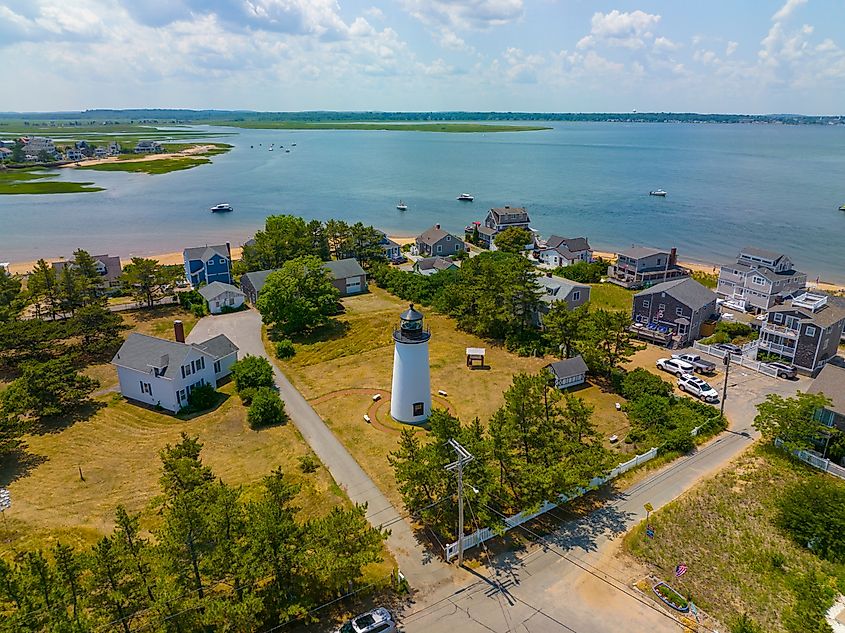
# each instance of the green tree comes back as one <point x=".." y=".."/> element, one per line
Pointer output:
<point x="252" y="372"/>
<point x="43" y="288"/>
<point x="99" y="330"/>
<point x="298" y="297"/>
<point x="562" y="326"/>
<point x="11" y="431"/>
<point x="513" y="240"/>
<point x="792" y="420"/>
<point x="11" y="297"/>
<point x="284" y="237"/>
<point x="113" y="589"/>
<point x="799" y="516"/>
<point x="18" y="154"/>
<point x="69" y="569"/>
<point x="605" y="340"/>
<point x="584" y="272"/>
<point x="365" y="245"/>
<point x="148" y="280"/>
<point x="89" y="279"/>
<point x="44" y="156"/>
<point x="47" y="389"/>
<point x="639" y="382"/>
<point x="338" y="236"/>
<point x="72" y="289"/>
<point x="266" y="409"/>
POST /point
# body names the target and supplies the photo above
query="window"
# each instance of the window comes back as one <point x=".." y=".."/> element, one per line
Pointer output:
<point x="810" y="330"/>
<point x="679" y="311"/>
<point x="646" y="303"/>
<point x="778" y="317"/>
<point x="181" y="396"/>
<point x="457" y="247"/>
<point x="756" y="279"/>
<point x="211" y="261"/>
<point x="146" y="388"/>
<point x="222" y="261"/>
<point x="448" y="238"/>
<point x="419" y="409"/>
<point x="439" y="248"/>
<point x="201" y="362"/>
<point x="662" y="307"/>
<point x="186" y="371"/>
<point x="576" y="295"/>
<point x="216" y="304"/>
<point x="217" y="367"/>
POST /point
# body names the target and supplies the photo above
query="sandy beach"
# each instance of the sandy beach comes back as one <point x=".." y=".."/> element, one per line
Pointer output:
<point x="190" y="151"/>
<point x="23" y="268"/>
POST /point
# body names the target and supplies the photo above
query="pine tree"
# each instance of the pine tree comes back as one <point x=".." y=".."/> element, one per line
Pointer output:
<point x="43" y="287"/>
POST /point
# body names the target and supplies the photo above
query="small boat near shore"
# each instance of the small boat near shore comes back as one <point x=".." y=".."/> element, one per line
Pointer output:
<point x="223" y="207"/>
<point x="657" y="192"/>
<point x="402" y="206"/>
<point x="842" y="208"/>
<point x="465" y="197"/>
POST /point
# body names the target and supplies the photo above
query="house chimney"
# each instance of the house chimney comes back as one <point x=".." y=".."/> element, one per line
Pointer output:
<point x="436" y="226"/>
<point x="179" y="331"/>
<point x="673" y="256"/>
<point x="548" y="273"/>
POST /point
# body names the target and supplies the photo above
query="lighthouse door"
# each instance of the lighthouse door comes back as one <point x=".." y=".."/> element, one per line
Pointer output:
<point x="419" y="409"/>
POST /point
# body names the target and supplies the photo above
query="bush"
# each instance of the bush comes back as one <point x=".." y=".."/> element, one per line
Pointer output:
<point x="640" y="382"/>
<point x="200" y="399"/>
<point x="734" y="329"/>
<point x="584" y="272"/>
<point x="718" y="337"/>
<point x="266" y="409"/>
<point x="231" y="309"/>
<point x="247" y="395"/>
<point x="308" y="463"/>
<point x="285" y="348"/>
<point x="252" y="371"/>
<point x="744" y="624"/>
<point x="198" y="310"/>
<point x="679" y="441"/>
<point x="812" y="513"/>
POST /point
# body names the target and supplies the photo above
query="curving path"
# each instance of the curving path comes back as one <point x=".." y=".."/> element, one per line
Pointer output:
<point x="421" y="569"/>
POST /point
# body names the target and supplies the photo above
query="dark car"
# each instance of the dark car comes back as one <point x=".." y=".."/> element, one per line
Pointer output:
<point x="785" y="370"/>
<point x="729" y="347"/>
<point x="399" y="259"/>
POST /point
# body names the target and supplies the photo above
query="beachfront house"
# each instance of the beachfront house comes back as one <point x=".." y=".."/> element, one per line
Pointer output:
<point x="74" y="154"/>
<point x="641" y="266"/>
<point x="758" y="280"/>
<point x="221" y="297"/>
<point x="205" y="264"/>
<point x="831" y="382"/>
<point x="563" y="251"/>
<point x="436" y="241"/>
<point x="108" y="267"/>
<point x="34" y="145"/>
<point x="556" y="289"/>
<point x="114" y="148"/>
<point x="148" y="147"/>
<point x="101" y="152"/>
<point x="497" y="220"/>
<point x="804" y="330"/>
<point x="347" y="276"/>
<point x="569" y="372"/>
<point x="159" y="372"/>
<point x="391" y="249"/>
<point x="5" y="154"/>
<point x="673" y="311"/>
<point x="430" y="265"/>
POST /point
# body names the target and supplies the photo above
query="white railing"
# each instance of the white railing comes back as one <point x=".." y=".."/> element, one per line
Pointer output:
<point x="777" y="348"/>
<point x="485" y="534"/>
<point x="817" y="461"/>
<point x="742" y="361"/>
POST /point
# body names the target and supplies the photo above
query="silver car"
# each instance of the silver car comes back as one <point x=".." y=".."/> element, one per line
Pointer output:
<point x="784" y="370"/>
<point x="695" y="386"/>
<point x="378" y="620"/>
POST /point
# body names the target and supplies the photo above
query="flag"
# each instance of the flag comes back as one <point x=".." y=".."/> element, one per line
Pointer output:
<point x="680" y="570"/>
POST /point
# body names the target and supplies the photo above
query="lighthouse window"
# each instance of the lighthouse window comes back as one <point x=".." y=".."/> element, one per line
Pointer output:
<point x="419" y="409"/>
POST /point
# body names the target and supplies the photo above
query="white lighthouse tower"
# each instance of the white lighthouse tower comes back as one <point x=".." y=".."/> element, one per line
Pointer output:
<point x="410" y="400"/>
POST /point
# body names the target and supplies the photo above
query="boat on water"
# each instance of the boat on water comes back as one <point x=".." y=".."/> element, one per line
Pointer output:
<point x="466" y="197"/>
<point x="293" y="144"/>
<point x="402" y="206"/>
<point x="657" y="192"/>
<point x="842" y="208"/>
<point x="270" y="150"/>
<point x="221" y="208"/>
<point x="287" y="151"/>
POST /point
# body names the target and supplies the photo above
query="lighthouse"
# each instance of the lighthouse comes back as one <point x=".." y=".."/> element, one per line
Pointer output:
<point x="410" y="400"/>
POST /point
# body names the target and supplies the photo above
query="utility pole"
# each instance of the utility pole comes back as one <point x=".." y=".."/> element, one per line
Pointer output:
<point x="727" y="361"/>
<point x="464" y="457"/>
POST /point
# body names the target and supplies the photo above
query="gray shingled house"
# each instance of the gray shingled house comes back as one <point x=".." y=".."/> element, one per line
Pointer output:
<point x="675" y="308"/>
<point x="436" y="241"/>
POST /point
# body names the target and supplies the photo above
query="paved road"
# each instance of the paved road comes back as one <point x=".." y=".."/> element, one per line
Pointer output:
<point x="244" y="329"/>
<point x="573" y="581"/>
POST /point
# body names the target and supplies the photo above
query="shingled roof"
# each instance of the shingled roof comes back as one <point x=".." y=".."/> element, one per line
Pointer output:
<point x="687" y="290"/>
<point x="204" y="253"/>
<point x="143" y="352"/>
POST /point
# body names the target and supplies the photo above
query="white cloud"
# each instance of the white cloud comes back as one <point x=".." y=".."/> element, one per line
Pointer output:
<point x="730" y="49"/>
<point x="463" y="14"/>
<point x="627" y="30"/>
<point x="665" y="44"/>
<point x="786" y="10"/>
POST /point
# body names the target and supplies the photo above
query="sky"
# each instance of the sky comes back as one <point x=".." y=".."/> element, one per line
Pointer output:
<point x="754" y="56"/>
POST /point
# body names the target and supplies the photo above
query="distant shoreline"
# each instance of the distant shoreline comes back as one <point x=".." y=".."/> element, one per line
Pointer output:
<point x="173" y="258"/>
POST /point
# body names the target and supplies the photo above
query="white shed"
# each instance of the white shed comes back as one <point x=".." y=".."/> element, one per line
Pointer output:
<point x="220" y="296"/>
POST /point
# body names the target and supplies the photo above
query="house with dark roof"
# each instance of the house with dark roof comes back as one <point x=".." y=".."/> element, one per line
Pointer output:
<point x="501" y="218"/>
<point x="758" y="280"/>
<point x="220" y="296"/>
<point x="391" y="249"/>
<point x="108" y="267"/>
<point x="831" y="382"/>
<point x="206" y="264"/>
<point x="569" y="372"/>
<point x="641" y="266"/>
<point x="346" y="275"/>
<point x="805" y="330"/>
<point x="252" y="283"/>
<point x="435" y="241"/>
<point x="430" y="265"/>
<point x="159" y="372"/>
<point x="673" y="311"/>
<point x="557" y="289"/>
<point x="563" y="251"/>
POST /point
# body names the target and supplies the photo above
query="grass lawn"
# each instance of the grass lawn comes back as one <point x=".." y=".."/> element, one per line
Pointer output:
<point x="162" y="166"/>
<point x="38" y="181"/>
<point x="357" y="354"/>
<point x="397" y="127"/>
<point x="611" y="297"/>
<point x="723" y="530"/>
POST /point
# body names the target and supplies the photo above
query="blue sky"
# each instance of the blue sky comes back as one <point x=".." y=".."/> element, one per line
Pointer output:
<point x="751" y="56"/>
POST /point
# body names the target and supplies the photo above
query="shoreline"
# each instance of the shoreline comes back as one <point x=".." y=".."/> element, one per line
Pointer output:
<point x="189" y="151"/>
<point x="173" y="258"/>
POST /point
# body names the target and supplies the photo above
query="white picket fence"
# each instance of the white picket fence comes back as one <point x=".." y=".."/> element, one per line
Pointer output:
<point x="485" y="534"/>
<point x="743" y="360"/>
<point x="817" y="461"/>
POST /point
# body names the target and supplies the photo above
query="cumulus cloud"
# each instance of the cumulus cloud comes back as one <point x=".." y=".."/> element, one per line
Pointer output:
<point x="730" y="49"/>
<point x="665" y="44"/>
<point x="627" y="30"/>
<point x="787" y="9"/>
<point x="463" y="14"/>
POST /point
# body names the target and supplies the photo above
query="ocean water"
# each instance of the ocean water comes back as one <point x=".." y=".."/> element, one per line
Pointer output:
<point x="776" y="187"/>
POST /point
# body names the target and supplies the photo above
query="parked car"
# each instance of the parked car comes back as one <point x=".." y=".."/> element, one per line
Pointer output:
<point x="695" y="386"/>
<point x="729" y="347"/>
<point x="701" y="366"/>
<point x="378" y="620"/>
<point x="675" y="366"/>
<point x="785" y="370"/>
<point x="399" y="259"/>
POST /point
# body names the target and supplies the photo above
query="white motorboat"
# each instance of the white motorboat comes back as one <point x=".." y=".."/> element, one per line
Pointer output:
<point x="466" y="197"/>
<point x="402" y="206"/>
<point x="657" y="192"/>
<point x="221" y="208"/>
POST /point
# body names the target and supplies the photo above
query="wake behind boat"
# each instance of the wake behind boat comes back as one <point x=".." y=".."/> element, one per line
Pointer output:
<point x="221" y="208"/>
<point x="657" y="192"/>
<point x="466" y="197"/>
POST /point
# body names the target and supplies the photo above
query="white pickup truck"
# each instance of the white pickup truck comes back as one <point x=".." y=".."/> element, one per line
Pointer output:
<point x="699" y="364"/>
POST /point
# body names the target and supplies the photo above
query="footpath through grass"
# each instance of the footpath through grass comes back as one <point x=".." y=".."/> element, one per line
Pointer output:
<point x="724" y="531"/>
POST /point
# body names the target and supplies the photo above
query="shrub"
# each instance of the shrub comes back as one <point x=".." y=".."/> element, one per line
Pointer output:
<point x="285" y="348"/>
<point x="679" y="441"/>
<point x="308" y="463"/>
<point x="247" y="395"/>
<point x="812" y="513"/>
<point x="266" y="409"/>
<point x="734" y="329"/>
<point x="640" y="382"/>
<point x="584" y="272"/>
<point x="230" y="309"/>
<point x="252" y="371"/>
<point x="201" y="398"/>
<point x="744" y="624"/>
<point x="198" y="310"/>
<point x="718" y="337"/>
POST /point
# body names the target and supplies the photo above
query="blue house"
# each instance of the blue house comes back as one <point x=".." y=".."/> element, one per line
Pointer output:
<point x="206" y="264"/>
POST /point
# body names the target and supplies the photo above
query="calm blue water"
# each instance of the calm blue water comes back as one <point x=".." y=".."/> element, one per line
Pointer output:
<point x="771" y="186"/>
